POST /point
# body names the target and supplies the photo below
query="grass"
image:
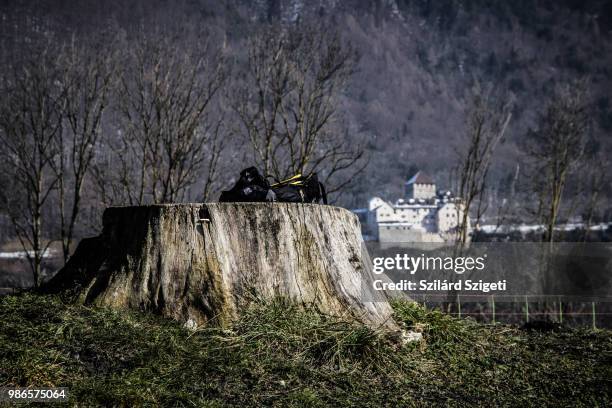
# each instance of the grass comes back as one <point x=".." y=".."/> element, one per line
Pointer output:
<point x="280" y="355"/>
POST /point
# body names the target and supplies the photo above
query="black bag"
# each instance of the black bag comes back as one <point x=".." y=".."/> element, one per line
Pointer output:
<point x="250" y="187"/>
<point x="253" y="187"/>
<point x="300" y="189"/>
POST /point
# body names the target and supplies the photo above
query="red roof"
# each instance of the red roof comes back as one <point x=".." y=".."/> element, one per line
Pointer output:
<point x="420" y="178"/>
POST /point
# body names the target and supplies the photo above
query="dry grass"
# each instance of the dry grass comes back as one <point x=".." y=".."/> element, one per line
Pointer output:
<point x="280" y="355"/>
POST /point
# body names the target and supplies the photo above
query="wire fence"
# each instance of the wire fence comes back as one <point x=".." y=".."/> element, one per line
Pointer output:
<point x="575" y="312"/>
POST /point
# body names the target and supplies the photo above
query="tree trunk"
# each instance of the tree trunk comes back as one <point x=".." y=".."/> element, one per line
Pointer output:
<point x="200" y="263"/>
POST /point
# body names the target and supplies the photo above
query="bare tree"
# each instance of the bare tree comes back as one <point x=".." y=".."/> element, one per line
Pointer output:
<point x="85" y="82"/>
<point x="487" y="121"/>
<point x="287" y="103"/>
<point x="30" y="121"/>
<point x="595" y="178"/>
<point x="507" y="206"/>
<point x="169" y="133"/>
<point x="556" y="147"/>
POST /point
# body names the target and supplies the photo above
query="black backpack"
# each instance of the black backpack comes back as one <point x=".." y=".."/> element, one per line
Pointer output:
<point x="300" y="189"/>
<point x="250" y="187"/>
<point x="253" y="187"/>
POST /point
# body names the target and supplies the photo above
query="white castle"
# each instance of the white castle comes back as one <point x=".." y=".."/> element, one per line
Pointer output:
<point x="424" y="215"/>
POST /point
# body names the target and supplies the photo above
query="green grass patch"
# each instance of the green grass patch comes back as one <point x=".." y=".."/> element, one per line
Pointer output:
<point x="278" y="354"/>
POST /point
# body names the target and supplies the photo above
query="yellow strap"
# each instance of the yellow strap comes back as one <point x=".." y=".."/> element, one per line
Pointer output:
<point x="288" y="181"/>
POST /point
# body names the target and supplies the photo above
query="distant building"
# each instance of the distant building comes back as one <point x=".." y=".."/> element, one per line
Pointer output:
<point x="423" y="215"/>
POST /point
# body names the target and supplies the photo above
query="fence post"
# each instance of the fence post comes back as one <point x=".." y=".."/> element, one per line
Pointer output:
<point x="493" y="307"/>
<point x="458" y="305"/>
<point x="560" y="311"/>
<point x="593" y="313"/>
<point x="526" y="310"/>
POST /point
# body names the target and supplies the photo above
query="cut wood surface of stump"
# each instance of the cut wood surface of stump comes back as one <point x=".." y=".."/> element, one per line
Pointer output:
<point x="201" y="263"/>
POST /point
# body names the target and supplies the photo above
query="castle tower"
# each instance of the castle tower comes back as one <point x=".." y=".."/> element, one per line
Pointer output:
<point x="420" y="186"/>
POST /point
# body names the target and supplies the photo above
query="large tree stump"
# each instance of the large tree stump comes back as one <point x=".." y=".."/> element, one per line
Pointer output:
<point x="200" y="263"/>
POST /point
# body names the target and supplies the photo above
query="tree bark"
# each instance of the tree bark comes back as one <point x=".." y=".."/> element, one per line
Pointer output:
<point x="200" y="263"/>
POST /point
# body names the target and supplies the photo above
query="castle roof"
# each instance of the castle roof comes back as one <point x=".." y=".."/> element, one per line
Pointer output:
<point x="420" y="178"/>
